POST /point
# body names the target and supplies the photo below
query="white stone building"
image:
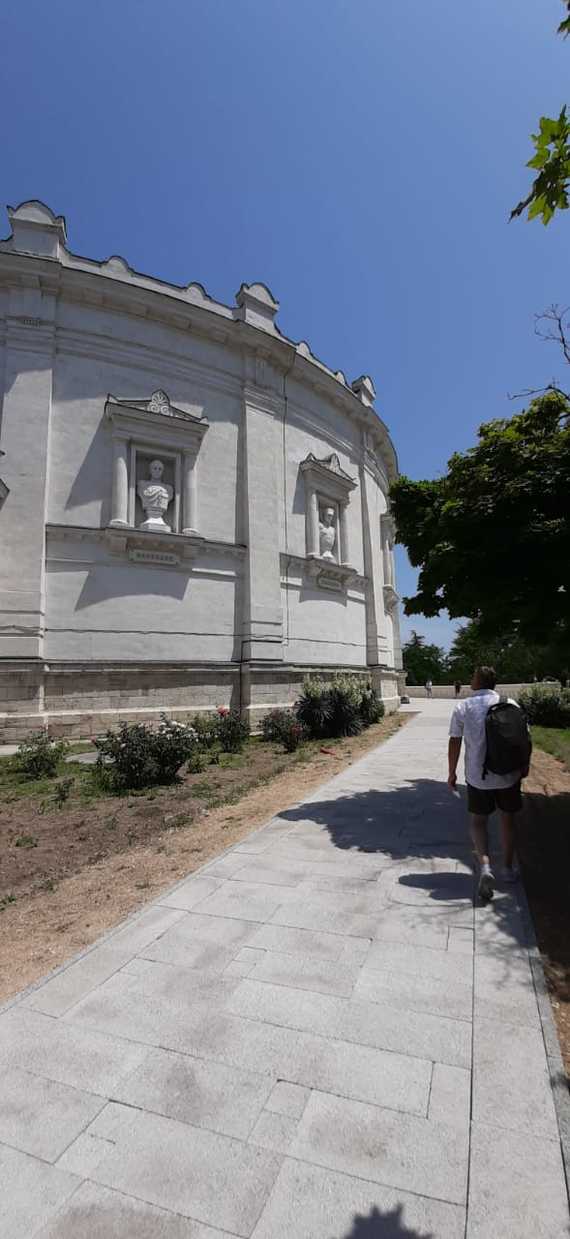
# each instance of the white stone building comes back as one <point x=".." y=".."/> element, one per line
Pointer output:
<point x="193" y="508"/>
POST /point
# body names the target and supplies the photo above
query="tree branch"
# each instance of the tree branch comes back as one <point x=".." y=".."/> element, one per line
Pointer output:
<point x="557" y="330"/>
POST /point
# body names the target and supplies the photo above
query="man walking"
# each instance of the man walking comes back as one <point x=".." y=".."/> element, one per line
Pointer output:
<point x="429" y="688"/>
<point x="487" y="790"/>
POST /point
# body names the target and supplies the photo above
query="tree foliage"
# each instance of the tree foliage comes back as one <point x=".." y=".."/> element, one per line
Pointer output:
<point x="492" y="537"/>
<point x="424" y="662"/>
<point x="551" y="160"/>
<point x="516" y="661"/>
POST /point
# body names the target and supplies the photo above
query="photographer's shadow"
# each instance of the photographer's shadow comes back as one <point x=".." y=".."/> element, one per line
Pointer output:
<point x="379" y="1225"/>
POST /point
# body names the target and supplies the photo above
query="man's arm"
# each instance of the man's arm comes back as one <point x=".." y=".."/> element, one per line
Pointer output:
<point x="453" y="751"/>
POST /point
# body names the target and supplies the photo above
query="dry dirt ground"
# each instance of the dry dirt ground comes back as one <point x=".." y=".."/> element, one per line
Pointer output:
<point x="69" y="874"/>
<point x="544" y="850"/>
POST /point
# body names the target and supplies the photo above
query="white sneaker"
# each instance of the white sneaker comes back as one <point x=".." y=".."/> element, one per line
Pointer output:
<point x="486" y="885"/>
<point x="509" y="875"/>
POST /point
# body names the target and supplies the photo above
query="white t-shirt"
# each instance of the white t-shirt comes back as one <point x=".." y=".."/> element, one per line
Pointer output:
<point x="468" y="724"/>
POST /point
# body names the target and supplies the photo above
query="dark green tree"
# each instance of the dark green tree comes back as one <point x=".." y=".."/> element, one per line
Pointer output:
<point x="492" y="537"/>
<point x="551" y="160"/>
<point x="516" y="661"/>
<point x="423" y="662"/>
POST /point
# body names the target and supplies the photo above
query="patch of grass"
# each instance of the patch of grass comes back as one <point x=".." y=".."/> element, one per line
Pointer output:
<point x="204" y="789"/>
<point x="232" y="761"/>
<point x="6" y="901"/>
<point x="26" y="841"/>
<point x="62" y="792"/>
<point x="178" y="820"/>
<point x="554" y="740"/>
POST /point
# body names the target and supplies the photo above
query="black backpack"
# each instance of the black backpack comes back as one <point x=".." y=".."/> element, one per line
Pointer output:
<point x="509" y="745"/>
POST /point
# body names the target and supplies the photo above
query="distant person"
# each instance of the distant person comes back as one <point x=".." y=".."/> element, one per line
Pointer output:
<point x="497" y="756"/>
<point x="457" y="687"/>
<point x="429" y="687"/>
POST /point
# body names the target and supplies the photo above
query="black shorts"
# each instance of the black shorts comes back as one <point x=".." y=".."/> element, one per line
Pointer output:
<point x="483" y="802"/>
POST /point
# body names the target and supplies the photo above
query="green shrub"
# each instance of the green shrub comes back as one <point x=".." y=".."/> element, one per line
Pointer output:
<point x="314" y="708"/>
<point x="38" y="757"/>
<point x="340" y="707"/>
<point x="345" y="698"/>
<point x="283" y="727"/>
<point x="233" y="732"/>
<point x="196" y="762"/>
<point x="206" y="728"/>
<point x="62" y="791"/>
<point x="546" y="705"/>
<point x="293" y="736"/>
<point x="276" y="725"/>
<point x="371" y="706"/>
<point x="137" y="756"/>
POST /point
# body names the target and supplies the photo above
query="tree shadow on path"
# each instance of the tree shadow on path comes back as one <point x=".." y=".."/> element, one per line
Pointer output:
<point x="377" y="1225"/>
<point x="419" y="821"/>
<point x="421" y="815"/>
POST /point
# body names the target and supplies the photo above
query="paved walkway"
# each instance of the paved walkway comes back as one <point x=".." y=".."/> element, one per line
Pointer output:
<point x="315" y="1037"/>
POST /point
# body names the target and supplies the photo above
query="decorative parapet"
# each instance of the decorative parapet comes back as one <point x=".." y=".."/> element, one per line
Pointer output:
<point x="36" y="230"/>
<point x="256" y="305"/>
<point x="364" y="388"/>
<point x="38" y="233"/>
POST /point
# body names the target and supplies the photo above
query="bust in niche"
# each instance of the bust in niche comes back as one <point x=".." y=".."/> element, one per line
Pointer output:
<point x="155" y="496"/>
<point x="327" y="534"/>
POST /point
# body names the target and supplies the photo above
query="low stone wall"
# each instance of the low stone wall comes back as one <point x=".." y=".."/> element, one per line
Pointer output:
<point x="446" y="692"/>
<point x="79" y="701"/>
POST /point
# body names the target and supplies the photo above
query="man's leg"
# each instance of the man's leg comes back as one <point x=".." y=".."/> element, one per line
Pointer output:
<point x="509" y="803"/>
<point x="509" y="838"/>
<point x="480" y="837"/>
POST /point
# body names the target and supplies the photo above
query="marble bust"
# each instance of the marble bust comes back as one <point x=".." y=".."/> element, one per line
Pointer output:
<point x="327" y="532"/>
<point x="155" y="496"/>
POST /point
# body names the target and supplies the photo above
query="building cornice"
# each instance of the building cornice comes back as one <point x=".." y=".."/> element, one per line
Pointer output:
<point x="37" y="248"/>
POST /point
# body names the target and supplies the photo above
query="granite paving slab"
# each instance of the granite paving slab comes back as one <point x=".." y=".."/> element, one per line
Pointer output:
<point x="315" y="1036"/>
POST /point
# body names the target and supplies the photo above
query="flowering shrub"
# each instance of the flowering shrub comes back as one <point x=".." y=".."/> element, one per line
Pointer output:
<point x="38" y="757"/>
<point x="276" y="724"/>
<point x="206" y="728"/>
<point x="137" y="756"/>
<point x="232" y="731"/>
<point x="283" y="727"/>
<point x="293" y="735"/>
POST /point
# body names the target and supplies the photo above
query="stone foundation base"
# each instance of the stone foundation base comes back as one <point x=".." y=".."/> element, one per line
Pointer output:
<point x="79" y="701"/>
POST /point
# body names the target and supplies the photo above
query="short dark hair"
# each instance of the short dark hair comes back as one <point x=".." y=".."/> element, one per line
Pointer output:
<point x="487" y="676"/>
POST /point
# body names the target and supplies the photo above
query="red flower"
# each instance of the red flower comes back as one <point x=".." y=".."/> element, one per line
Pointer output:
<point x="222" y="711"/>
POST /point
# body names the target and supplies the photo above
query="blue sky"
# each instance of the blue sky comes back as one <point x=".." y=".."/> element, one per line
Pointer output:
<point x="359" y="156"/>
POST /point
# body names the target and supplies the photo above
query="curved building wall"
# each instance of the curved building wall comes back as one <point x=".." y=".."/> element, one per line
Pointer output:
<point x="233" y="591"/>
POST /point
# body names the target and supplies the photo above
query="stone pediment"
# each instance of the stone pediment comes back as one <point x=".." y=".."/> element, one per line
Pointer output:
<point x="159" y="403"/>
<point x="328" y="469"/>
